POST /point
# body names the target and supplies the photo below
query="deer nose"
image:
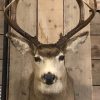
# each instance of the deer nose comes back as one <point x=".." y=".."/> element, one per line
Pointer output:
<point x="49" y="78"/>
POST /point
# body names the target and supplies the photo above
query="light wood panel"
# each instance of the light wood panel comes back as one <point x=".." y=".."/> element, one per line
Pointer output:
<point x="81" y="67"/>
<point x="1" y="22"/>
<point x="1" y="5"/>
<point x="50" y="16"/>
<point x="96" y="72"/>
<point x="95" y="47"/>
<point x="79" y="64"/>
<point x="0" y="65"/>
<point x="98" y="4"/>
<point x="1" y="46"/>
<point x="96" y="93"/>
<point x="95" y="25"/>
<point x="20" y="66"/>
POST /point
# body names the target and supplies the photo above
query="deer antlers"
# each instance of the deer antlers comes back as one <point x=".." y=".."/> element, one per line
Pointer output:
<point x="82" y="23"/>
<point x="15" y="26"/>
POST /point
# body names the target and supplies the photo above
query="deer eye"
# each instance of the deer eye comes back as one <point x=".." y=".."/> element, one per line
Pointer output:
<point x="37" y="59"/>
<point x="61" y="58"/>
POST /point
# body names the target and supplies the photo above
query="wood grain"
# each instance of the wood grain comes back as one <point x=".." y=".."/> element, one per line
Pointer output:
<point x="1" y="22"/>
<point x="0" y="72"/>
<point x="98" y="4"/>
<point x="79" y="63"/>
<point x="81" y="67"/>
<point x="96" y="72"/>
<point x="19" y="77"/>
<point x="95" y="47"/>
<point x="0" y="65"/>
<point x="1" y="46"/>
<point x="95" y="25"/>
<point x="1" y="5"/>
<point x="96" y="93"/>
<point x="49" y="24"/>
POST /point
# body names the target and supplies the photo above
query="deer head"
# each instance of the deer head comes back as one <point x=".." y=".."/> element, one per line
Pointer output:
<point x="50" y="72"/>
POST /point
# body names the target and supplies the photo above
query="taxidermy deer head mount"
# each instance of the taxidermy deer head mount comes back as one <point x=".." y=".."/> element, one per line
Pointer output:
<point x="50" y="73"/>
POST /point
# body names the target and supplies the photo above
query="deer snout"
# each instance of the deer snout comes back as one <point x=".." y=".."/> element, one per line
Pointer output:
<point x="49" y="78"/>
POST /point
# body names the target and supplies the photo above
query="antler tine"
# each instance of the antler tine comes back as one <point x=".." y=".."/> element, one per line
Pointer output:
<point x="15" y="26"/>
<point x="81" y="8"/>
<point x="82" y="22"/>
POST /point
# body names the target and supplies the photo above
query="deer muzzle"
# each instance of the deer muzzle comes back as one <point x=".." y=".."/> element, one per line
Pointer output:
<point x="49" y="78"/>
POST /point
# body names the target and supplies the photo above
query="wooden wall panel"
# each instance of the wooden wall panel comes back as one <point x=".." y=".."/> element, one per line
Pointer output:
<point x="95" y="25"/>
<point x="1" y="37"/>
<point x="98" y="4"/>
<point x="96" y="93"/>
<point x="1" y="22"/>
<point x="96" y="72"/>
<point x="79" y="63"/>
<point x="1" y="5"/>
<point x="95" y="47"/>
<point x="81" y="71"/>
<point x="1" y="46"/>
<point x="0" y="65"/>
<point x="19" y="77"/>
<point x="0" y="72"/>
<point x="49" y="13"/>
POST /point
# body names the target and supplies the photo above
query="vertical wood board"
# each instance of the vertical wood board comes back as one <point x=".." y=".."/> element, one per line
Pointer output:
<point x="1" y="22"/>
<point x="21" y="67"/>
<point x="95" y="25"/>
<point x="50" y="20"/>
<point x="0" y="72"/>
<point x="98" y="4"/>
<point x="1" y="46"/>
<point x="96" y="72"/>
<point x="1" y="5"/>
<point x="19" y="73"/>
<point x="79" y="64"/>
<point x="96" y="93"/>
<point x="95" y="47"/>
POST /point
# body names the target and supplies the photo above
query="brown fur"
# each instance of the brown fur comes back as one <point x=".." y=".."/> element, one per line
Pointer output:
<point x="49" y="52"/>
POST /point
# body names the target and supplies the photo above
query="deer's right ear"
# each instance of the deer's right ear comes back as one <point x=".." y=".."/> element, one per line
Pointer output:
<point x="75" y="42"/>
<point x="20" y="43"/>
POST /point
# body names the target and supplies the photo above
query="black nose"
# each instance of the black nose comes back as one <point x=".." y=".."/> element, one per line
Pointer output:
<point x="49" y="78"/>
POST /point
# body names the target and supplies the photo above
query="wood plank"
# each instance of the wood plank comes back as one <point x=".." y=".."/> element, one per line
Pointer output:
<point x="79" y="63"/>
<point x="0" y="91"/>
<point x="19" y="77"/>
<point x="0" y="72"/>
<point x="1" y="5"/>
<point x="1" y="46"/>
<point x="95" y="47"/>
<point x="18" y="74"/>
<point x="0" y="65"/>
<point x="95" y="25"/>
<point x="49" y="24"/>
<point x="96" y="93"/>
<point x="98" y="4"/>
<point x="0" y="78"/>
<point x="96" y="72"/>
<point x="1" y="22"/>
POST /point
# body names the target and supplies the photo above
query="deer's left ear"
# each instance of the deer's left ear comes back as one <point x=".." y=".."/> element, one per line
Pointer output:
<point x="19" y="43"/>
<point x="75" y="42"/>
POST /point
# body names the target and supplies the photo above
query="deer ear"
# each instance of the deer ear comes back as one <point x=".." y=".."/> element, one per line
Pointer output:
<point x="20" y="43"/>
<point x="75" y="42"/>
